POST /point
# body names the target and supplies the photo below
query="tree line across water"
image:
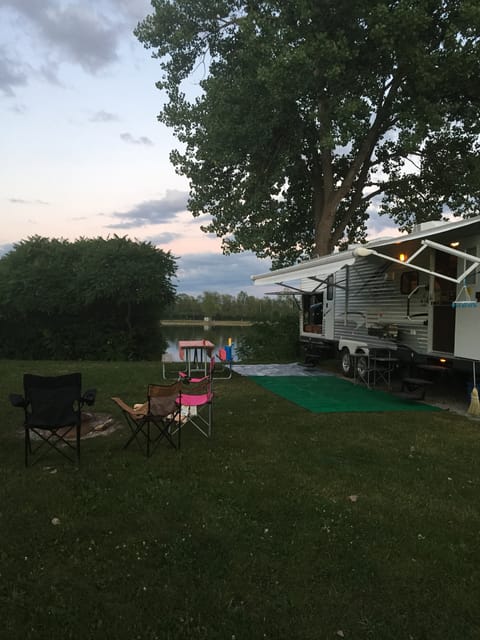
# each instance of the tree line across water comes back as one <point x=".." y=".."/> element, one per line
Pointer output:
<point x="221" y="306"/>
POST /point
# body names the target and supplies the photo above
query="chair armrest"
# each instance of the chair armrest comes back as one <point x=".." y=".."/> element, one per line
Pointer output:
<point x="89" y="397"/>
<point x="17" y="400"/>
<point x="140" y="412"/>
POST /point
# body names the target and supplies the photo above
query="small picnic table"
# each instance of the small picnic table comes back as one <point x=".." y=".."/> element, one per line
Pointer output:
<point x="197" y="355"/>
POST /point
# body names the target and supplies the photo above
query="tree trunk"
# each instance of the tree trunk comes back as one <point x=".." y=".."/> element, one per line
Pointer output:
<point x="324" y="216"/>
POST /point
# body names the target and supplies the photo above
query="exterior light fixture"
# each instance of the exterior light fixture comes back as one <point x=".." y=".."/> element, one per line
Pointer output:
<point x="455" y="244"/>
<point x="402" y="257"/>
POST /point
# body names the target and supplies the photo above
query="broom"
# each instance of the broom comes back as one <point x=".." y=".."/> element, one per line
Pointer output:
<point x="474" y="408"/>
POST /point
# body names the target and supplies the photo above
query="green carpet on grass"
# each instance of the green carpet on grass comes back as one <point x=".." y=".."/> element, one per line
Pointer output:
<point x="329" y="394"/>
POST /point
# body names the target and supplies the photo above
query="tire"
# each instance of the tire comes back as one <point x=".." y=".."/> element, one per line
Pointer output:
<point x="346" y="363"/>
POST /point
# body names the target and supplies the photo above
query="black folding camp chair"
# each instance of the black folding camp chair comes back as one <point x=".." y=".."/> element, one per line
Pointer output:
<point x="53" y="413"/>
<point x="155" y="420"/>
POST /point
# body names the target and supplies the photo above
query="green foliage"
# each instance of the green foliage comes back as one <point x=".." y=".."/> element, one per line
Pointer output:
<point x="218" y="306"/>
<point x="93" y="299"/>
<point x="310" y="111"/>
<point x="271" y="341"/>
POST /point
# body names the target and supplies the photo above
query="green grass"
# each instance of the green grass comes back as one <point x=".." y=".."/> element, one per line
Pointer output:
<point x="252" y="534"/>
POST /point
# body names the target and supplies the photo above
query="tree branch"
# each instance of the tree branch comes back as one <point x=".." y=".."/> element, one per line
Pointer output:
<point x="381" y="119"/>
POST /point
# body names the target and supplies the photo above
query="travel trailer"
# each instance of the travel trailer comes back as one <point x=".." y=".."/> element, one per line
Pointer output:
<point x="415" y="296"/>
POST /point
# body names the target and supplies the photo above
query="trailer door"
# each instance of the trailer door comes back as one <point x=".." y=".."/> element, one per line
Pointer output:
<point x="444" y="293"/>
<point x="313" y="304"/>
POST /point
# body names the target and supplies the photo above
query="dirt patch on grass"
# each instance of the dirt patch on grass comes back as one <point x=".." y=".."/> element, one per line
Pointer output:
<point x="93" y="424"/>
<point x="98" y="424"/>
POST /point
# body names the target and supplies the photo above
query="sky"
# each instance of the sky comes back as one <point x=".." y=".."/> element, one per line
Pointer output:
<point x="82" y="151"/>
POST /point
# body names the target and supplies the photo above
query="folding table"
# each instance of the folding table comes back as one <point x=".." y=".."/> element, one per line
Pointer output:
<point x="197" y="355"/>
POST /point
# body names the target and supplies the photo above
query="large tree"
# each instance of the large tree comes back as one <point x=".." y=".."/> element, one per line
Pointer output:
<point x="308" y="112"/>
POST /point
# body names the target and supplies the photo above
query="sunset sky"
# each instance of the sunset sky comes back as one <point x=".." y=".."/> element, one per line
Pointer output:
<point x="82" y="151"/>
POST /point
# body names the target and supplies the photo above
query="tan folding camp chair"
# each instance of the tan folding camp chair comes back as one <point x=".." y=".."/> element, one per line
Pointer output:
<point x="155" y="420"/>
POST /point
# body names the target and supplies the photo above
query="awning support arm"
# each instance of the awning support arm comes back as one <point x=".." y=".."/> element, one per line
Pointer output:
<point x="325" y="281"/>
<point x="315" y="279"/>
<point x="459" y="254"/>
<point x="364" y="252"/>
<point x="289" y="286"/>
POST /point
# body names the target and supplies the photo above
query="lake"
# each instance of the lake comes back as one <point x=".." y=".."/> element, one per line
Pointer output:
<point x="219" y="335"/>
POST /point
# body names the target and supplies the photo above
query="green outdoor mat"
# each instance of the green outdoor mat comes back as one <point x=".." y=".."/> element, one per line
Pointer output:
<point x="329" y="394"/>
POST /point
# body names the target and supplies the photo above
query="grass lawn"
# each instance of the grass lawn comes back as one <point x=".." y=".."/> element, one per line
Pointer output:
<point x="285" y="525"/>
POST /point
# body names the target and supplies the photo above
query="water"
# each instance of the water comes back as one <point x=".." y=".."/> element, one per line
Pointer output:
<point x="218" y="335"/>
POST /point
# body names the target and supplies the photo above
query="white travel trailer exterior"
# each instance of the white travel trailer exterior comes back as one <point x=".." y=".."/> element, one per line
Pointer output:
<point x="417" y="295"/>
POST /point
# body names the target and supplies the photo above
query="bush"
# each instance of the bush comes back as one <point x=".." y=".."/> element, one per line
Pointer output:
<point x="271" y="341"/>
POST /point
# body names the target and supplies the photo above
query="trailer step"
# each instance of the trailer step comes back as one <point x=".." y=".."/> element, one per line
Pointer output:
<point x="415" y="387"/>
<point x="313" y="353"/>
<point x="414" y="396"/>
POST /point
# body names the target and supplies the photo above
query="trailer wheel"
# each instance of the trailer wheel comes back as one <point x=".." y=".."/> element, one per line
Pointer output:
<point x="346" y="363"/>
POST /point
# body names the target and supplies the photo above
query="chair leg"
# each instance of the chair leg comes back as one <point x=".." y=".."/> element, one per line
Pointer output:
<point x="79" y="428"/>
<point x="28" y="447"/>
<point x="150" y="431"/>
<point x="202" y="421"/>
<point x="54" y="440"/>
<point x="164" y="430"/>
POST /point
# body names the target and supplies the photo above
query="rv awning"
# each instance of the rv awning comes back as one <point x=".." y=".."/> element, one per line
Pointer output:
<point x="429" y="230"/>
<point x="319" y="268"/>
<point x="472" y="261"/>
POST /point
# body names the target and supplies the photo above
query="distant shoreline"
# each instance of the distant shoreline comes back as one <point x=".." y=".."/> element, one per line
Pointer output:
<point x="209" y="323"/>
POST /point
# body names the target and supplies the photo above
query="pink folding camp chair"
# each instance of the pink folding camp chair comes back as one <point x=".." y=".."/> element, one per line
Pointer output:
<point x="196" y="400"/>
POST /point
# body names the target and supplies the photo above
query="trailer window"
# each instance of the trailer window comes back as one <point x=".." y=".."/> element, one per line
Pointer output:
<point x="330" y="287"/>
<point x="408" y="282"/>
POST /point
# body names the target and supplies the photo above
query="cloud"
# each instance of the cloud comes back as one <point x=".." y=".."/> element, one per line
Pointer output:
<point x="127" y="137"/>
<point x="49" y="71"/>
<point x="22" y="201"/>
<point x="19" y="109"/>
<point x="199" y="272"/>
<point x="380" y="226"/>
<point x="5" y="248"/>
<point x="161" y="211"/>
<point x="87" y="33"/>
<point x="78" y="32"/>
<point x="11" y="74"/>
<point x="133" y="10"/>
<point x="103" y="116"/>
<point x="163" y="238"/>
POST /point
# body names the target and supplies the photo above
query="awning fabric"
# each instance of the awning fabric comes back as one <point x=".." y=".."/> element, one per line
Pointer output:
<point x="318" y="268"/>
<point x="321" y="268"/>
